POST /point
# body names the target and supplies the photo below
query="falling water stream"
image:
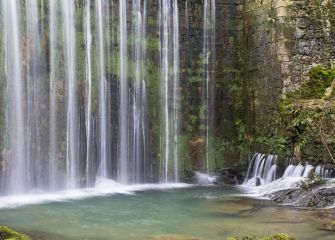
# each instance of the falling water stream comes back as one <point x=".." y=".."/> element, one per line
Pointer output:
<point x="53" y="136"/>
<point x="72" y="136"/>
<point x="170" y="87"/>
<point x="81" y="97"/>
<point x="124" y="96"/>
<point x="88" y="50"/>
<point x="15" y="117"/>
<point x="208" y="54"/>
<point x="102" y="92"/>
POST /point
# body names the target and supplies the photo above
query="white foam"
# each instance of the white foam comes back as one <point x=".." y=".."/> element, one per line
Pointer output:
<point x="103" y="187"/>
<point x="277" y="185"/>
<point x="205" y="179"/>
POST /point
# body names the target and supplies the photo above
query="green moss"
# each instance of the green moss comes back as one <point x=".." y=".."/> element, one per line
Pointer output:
<point x="320" y="79"/>
<point x="8" y="234"/>
<point x="152" y="43"/>
<point x="152" y="22"/>
<point x="303" y="120"/>
<point x="313" y="181"/>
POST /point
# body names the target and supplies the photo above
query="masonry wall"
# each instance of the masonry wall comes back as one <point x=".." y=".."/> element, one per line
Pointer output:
<point x="282" y="41"/>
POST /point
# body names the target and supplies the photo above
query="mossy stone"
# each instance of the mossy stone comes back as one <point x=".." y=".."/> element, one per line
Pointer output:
<point x="9" y="234"/>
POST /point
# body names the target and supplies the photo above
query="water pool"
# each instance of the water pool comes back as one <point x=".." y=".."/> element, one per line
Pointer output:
<point x="207" y="213"/>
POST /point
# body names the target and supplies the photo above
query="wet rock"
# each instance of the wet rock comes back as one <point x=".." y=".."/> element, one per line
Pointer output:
<point x="258" y="182"/>
<point x="316" y="198"/>
<point x="302" y="23"/>
<point x="305" y="48"/>
<point x="229" y="176"/>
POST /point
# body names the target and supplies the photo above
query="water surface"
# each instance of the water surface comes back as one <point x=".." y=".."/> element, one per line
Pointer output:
<point x="210" y="213"/>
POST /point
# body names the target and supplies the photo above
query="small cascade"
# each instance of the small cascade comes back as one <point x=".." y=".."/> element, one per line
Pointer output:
<point x="263" y="169"/>
<point x="323" y="171"/>
<point x="298" y="170"/>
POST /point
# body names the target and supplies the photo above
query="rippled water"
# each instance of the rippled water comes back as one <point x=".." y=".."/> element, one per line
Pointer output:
<point x="208" y="213"/>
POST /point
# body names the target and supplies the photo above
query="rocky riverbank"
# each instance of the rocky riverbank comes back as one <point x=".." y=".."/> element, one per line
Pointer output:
<point x="313" y="192"/>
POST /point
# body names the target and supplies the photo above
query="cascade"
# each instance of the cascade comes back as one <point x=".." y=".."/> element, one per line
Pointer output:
<point x="263" y="169"/>
<point x="322" y="171"/>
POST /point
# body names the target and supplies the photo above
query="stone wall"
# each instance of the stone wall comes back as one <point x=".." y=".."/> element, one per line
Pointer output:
<point x="283" y="40"/>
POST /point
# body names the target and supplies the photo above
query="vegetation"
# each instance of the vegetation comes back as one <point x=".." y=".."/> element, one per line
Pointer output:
<point x="9" y="234"/>
<point x="303" y="120"/>
<point x="312" y="182"/>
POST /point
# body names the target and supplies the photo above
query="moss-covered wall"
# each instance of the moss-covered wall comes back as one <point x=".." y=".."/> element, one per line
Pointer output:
<point x="284" y="41"/>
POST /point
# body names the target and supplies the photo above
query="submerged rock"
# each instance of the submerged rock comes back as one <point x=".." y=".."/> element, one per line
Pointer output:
<point x="8" y="234"/>
<point x="173" y="237"/>
<point x="280" y="236"/>
<point x="258" y="182"/>
<point x="328" y="226"/>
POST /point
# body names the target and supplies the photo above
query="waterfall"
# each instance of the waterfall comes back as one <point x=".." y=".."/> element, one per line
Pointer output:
<point x="175" y="87"/>
<point x="15" y="109"/>
<point x="208" y="55"/>
<point x="53" y="137"/>
<point x="88" y="76"/>
<point x="165" y="77"/>
<point x="145" y="167"/>
<point x="34" y="156"/>
<point x="72" y="131"/>
<point x="83" y="80"/>
<point x="124" y="98"/>
<point x="168" y="19"/>
<point x="139" y="87"/>
<point x="102" y="91"/>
